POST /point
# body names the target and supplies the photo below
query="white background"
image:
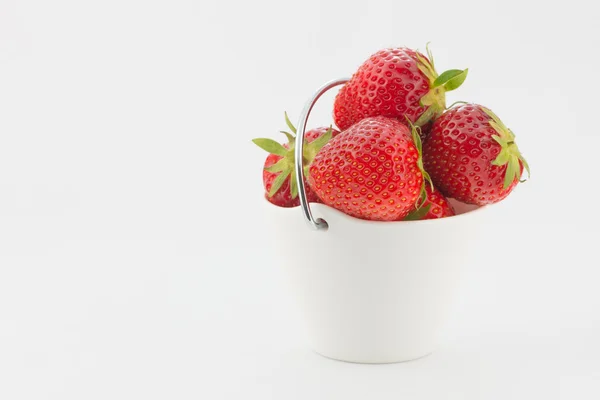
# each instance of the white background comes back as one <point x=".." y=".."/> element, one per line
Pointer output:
<point x="133" y="261"/>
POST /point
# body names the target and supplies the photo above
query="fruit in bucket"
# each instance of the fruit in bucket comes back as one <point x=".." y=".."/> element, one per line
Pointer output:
<point x="372" y="170"/>
<point x="435" y="206"/>
<point x="472" y="156"/>
<point x="279" y="177"/>
<point x="377" y="168"/>
<point x="398" y="83"/>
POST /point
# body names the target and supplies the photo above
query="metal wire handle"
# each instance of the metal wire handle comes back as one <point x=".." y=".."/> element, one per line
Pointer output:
<point x="319" y="223"/>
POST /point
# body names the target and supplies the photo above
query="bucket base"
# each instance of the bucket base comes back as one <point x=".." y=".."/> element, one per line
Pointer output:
<point x="384" y="360"/>
<point x="378" y="357"/>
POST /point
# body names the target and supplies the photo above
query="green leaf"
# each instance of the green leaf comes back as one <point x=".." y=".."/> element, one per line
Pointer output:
<point x="426" y="68"/>
<point x="291" y="139"/>
<point x="457" y="102"/>
<point x="415" y="131"/>
<point x="289" y="124"/>
<point x="430" y="56"/>
<point x="511" y="136"/>
<point x="279" y="181"/>
<point x="279" y="166"/>
<point x="294" y="185"/>
<point x="270" y="146"/>
<point x="418" y="213"/>
<point x="498" y="128"/>
<point x="422" y="196"/>
<point x="526" y="165"/>
<point x="456" y="81"/>
<point x="446" y="76"/>
<point x="495" y="118"/>
<point x="427" y="179"/>
<point x="502" y="157"/>
<point x="430" y="98"/>
<point x="428" y="115"/>
<point x="321" y="141"/>
<point x="500" y="140"/>
<point x="311" y="149"/>
<point x="512" y="171"/>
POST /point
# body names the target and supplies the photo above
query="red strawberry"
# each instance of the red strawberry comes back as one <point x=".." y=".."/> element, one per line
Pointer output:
<point x="435" y="206"/>
<point x="399" y="83"/>
<point x="279" y="176"/>
<point x="372" y="170"/>
<point x="472" y="156"/>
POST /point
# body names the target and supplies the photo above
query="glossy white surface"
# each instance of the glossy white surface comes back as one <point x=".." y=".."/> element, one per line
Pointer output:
<point x="373" y="292"/>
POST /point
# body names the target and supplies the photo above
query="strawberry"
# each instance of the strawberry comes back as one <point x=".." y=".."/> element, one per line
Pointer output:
<point x="399" y="83"/>
<point x="372" y="170"/>
<point x="435" y="206"/>
<point x="472" y="156"/>
<point x="279" y="177"/>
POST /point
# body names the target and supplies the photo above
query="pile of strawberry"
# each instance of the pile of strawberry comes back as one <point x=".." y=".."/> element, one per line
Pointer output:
<point x="399" y="152"/>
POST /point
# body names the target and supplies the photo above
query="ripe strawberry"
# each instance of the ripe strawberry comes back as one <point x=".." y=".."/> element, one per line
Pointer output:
<point x="399" y="83"/>
<point x="472" y="156"/>
<point x="372" y="170"/>
<point x="279" y="177"/>
<point x="435" y="206"/>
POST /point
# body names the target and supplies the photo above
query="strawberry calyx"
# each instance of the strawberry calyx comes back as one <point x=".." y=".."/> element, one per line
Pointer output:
<point x="509" y="154"/>
<point x="418" y="213"/>
<point x="285" y="166"/>
<point x="416" y="136"/>
<point x="435" y="99"/>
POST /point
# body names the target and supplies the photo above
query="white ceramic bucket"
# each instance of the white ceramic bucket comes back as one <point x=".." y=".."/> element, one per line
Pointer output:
<point x="373" y="292"/>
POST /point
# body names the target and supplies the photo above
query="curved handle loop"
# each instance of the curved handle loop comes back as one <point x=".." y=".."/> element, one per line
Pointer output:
<point x="319" y="223"/>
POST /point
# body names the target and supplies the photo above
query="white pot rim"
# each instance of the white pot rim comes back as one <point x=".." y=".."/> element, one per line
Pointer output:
<point x="463" y="211"/>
